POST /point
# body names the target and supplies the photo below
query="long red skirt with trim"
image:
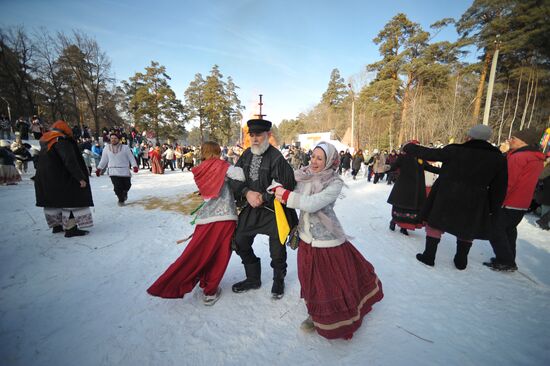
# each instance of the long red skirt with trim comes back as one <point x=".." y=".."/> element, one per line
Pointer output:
<point x="156" y="166"/>
<point x="339" y="287"/>
<point x="204" y="260"/>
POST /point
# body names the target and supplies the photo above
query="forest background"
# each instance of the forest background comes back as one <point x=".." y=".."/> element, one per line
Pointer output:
<point x="418" y="89"/>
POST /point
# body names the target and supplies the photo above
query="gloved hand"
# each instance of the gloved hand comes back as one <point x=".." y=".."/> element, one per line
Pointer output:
<point x="98" y="172"/>
<point x="136" y="169"/>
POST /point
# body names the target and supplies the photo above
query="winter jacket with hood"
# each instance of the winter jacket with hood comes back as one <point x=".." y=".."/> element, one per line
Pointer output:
<point x="524" y="167"/>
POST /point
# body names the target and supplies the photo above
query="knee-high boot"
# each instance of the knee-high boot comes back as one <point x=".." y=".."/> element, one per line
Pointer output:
<point x="253" y="278"/>
<point x="278" y="288"/>
<point x="461" y="256"/>
<point x="428" y="257"/>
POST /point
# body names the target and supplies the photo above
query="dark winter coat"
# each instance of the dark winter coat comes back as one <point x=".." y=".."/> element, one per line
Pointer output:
<point x="409" y="190"/>
<point x="357" y="160"/>
<point x="346" y="161"/>
<point x="470" y="188"/>
<point x="59" y="172"/>
<point x="6" y="156"/>
<point x="542" y="196"/>
<point x="261" y="220"/>
<point x="23" y="128"/>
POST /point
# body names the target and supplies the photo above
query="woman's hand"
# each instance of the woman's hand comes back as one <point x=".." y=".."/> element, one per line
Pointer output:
<point x="281" y="194"/>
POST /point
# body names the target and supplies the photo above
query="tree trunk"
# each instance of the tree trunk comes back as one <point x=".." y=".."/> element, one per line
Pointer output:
<point x="481" y="87"/>
<point x="405" y="110"/>
<point x="517" y="102"/>
<point x="528" y="92"/>
<point x="534" y="101"/>
<point x="417" y="92"/>
<point x="454" y="101"/>
<point x="503" y="109"/>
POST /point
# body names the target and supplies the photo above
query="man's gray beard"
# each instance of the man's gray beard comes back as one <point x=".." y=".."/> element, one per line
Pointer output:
<point x="259" y="150"/>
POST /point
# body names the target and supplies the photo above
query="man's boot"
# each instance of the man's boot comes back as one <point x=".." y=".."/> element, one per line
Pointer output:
<point x="253" y="278"/>
<point x="278" y="288"/>
<point x="461" y="256"/>
<point x="544" y="221"/>
<point x="428" y="257"/>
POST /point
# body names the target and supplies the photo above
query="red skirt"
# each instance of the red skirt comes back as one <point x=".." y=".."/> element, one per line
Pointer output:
<point x="156" y="166"/>
<point x="204" y="260"/>
<point x="339" y="287"/>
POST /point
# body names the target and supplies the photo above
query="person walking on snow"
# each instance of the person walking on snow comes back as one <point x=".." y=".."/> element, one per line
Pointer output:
<point x="62" y="183"/>
<point x="262" y="164"/>
<point x="409" y="192"/>
<point x="525" y="163"/>
<point x="469" y="191"/>
<point x="205" y="258"/>
<point x="338" y="285"/>
<point x="117" y="158"/>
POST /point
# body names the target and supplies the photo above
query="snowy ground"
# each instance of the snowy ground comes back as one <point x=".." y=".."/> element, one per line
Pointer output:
<point x="82" y="301"/>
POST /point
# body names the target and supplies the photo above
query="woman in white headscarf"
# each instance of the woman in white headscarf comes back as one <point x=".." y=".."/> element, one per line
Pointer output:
<point x="338" y="284"/>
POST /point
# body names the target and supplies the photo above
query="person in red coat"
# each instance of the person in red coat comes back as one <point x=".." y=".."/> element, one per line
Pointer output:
<point x="525" y="163"/>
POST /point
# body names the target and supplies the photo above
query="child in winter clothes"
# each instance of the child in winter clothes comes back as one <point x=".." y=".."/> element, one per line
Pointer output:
<point x="205" y="259"/>
<point x="338" y="284"/>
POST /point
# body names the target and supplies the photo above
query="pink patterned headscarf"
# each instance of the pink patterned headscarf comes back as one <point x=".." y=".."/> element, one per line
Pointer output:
<point x="321" y="179"/>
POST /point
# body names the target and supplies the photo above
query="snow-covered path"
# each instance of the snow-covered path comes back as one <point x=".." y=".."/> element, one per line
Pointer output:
<point x="82" y="301"/>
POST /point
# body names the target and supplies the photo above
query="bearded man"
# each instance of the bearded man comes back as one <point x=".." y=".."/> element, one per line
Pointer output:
<point x="262" y="164"/>
<point x="118" y="158"/>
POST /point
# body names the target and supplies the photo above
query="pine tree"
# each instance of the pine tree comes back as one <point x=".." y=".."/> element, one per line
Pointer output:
<point x="336" y="90"/>
<point x="195" y="103"/>
<point x="153" y="103"/>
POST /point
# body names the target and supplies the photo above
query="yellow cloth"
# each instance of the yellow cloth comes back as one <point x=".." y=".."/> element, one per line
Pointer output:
<point x="282" y="222"/>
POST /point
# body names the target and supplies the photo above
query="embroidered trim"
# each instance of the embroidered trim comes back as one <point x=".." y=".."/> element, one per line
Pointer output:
<point x="353" y="319"/>
<point x="255" y="167"/>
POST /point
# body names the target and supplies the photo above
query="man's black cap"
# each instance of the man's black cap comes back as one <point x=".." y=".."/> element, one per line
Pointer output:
<point x="258" y="125"/>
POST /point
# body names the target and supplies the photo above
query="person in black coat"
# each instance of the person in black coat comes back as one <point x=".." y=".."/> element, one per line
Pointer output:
<point x="345" y="162"/>
<point x="262" y="164"/>
<point x="409" y="192"/>
<point x="62" y="183"/>
<point x="23" y="127"/>
<point x="470" y="188"/>
<point x="358" y="159"/>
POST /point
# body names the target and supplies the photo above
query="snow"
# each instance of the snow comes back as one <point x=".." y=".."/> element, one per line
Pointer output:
<point x="83" y="300"/>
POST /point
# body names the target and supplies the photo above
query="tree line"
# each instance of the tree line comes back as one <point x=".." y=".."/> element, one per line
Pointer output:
<point x="419" y="88"/>
<point x="68" y="76"/>
<point x="422" y="89"/>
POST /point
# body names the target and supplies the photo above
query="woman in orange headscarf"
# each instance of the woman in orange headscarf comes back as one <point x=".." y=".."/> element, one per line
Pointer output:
<point x="62" y="182"/>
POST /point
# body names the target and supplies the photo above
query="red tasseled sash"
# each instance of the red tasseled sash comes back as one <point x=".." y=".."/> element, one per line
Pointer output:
<point x="209" y="177"/>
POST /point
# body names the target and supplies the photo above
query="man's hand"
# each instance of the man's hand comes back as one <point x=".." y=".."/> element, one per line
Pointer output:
<point x="254" y="199"/>
<point x="98" y="172"/>
<point x="82" y="184"/>
<point x="136" y="169"/>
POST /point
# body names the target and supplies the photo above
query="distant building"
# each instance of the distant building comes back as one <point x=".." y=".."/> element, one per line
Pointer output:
<point x="308" y="141"/>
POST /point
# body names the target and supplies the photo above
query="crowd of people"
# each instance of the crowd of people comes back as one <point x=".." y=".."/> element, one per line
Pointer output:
<point x="470" y="190"/>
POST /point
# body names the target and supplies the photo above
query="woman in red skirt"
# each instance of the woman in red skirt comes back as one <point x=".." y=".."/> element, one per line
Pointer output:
<point x="155" y="157"/>
<point x="339" y="285"/>
<point x="205" y="258"/>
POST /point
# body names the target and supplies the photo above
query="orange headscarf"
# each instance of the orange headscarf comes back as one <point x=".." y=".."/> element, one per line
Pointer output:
<point x="59" y="129"/>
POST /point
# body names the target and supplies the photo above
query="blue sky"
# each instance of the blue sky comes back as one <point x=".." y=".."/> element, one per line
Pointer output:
<point x="282" y="49"/>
